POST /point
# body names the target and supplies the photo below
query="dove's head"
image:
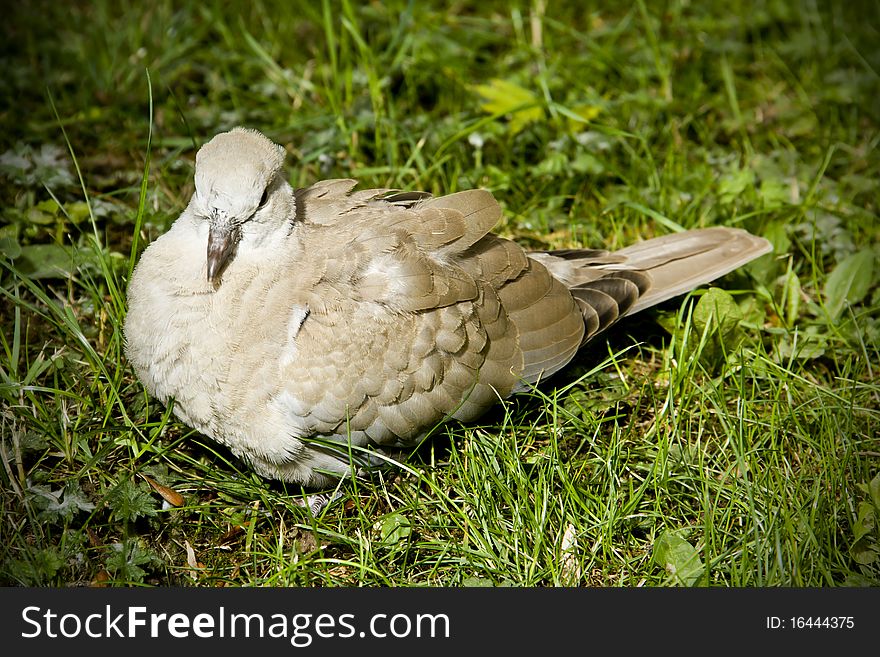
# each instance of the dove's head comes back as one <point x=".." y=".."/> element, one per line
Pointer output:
<point x="237" y="179"/>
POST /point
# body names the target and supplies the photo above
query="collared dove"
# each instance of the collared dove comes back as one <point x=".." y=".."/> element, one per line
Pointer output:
<point x="299" y="326"/>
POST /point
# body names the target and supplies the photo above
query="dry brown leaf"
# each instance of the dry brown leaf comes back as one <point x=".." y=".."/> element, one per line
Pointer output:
<point x="168" y="494"/>
<point x="234" y="531"/>
<point x="190" y="555"/>
<point x="100" y="580"/>
<point x="191" y="560"/>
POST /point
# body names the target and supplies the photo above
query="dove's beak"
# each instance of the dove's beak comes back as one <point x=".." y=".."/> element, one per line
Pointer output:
<point x="221" y="242"/>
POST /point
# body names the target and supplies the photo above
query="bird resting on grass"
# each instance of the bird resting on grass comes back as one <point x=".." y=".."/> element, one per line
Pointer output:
<point x="286" y="324"/>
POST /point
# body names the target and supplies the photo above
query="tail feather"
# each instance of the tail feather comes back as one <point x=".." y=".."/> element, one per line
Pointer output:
<point x="613" y="285"/>
<point x="681" y="262"/>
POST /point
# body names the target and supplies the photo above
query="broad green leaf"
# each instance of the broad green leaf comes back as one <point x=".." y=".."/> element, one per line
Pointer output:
<point x="717" y="309"/>
<point x="587" y="112"/>
<point x="503" y="97"/>
<point x="63" y="503"/>
<point x="857" y="579"/>
<point x="37" y="568"/>
<point x="587" y="163"/>
<point x="734" y="184"/>
<point x="77" y="211"/>
<point x="777" y="233"/>
<point x="582" y="114"/>
<point x="866" y="521"/>
<point x="679" y="558"/>
<point x="49" y="206"/>
<point x="718" y="317"/>
<point x="874" y="490"/>
<point x="864" y="551"/>
<point x="774" y="192"/>
<point x="477" y="582"/>
<point x="806" y="347"/>
<point x="36" y="216"/>
<point x="552" y="165"/>
<point x="45" y="261"/>
<point x="394" y="528"/>
<point x="849" y="282"/>
<point x="10" y="247"/>
<point x="130" y="501"/>
<point x="767" y="267"/>
<point x="127" y="558"/>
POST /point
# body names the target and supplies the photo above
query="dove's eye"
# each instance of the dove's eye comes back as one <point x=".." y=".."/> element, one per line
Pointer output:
<point x="264" y="198"/>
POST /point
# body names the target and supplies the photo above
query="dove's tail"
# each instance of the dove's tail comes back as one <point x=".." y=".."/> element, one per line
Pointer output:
<point x="608" y="286"/>
<point x="680" y="262"/>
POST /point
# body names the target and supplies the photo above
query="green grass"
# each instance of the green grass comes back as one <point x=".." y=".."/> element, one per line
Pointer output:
<point x="684" y="449"/>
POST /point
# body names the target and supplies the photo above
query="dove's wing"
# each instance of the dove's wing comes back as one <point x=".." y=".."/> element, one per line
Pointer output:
<point x="416" y="314"/>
